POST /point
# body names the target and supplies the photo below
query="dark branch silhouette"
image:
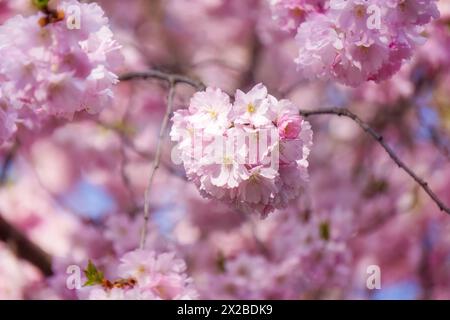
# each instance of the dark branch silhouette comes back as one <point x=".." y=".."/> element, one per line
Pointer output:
<point x="24" y="248"/>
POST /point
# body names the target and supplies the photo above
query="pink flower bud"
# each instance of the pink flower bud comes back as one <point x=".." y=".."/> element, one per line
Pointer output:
<point x="289" y="126"/>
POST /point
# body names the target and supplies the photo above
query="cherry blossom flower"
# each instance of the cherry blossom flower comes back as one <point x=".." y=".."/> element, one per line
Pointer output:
<point x="240" y="165"/>
<point x="210" y="111"/>
<point x="55" y="70"/>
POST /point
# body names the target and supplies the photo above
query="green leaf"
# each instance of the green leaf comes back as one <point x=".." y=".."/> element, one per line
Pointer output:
<point x="93" y="275"/>
<point x="41" y="4"/>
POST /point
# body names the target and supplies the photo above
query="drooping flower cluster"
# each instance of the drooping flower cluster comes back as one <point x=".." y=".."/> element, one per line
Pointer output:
<point x="143" y="275"/>
<point x="251" y="154"/>
<point x="55" y="63"/>
<point x="353" y="41"/>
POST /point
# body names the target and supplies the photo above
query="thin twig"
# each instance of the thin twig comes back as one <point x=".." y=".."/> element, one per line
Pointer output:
<point x="144" y="154"/>
<point x="161" y="75"/>
<point x="157" y="159"/>
<point x="342" y="112"/>
<point x="172" y="80"/>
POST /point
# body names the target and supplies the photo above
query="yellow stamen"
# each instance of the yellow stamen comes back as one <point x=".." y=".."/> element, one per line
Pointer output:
<point x="227" y="160"/>
<point x="213" y="114"/>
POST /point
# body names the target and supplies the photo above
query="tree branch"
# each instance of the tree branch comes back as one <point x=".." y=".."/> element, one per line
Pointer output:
<point x="19" y="243"/>
<point x="161" y="75"/>
<point x="24" y="248"/>
<point x="172" y="79"/>
<point x="157" y="159"/>
<point x="342" y="112"/>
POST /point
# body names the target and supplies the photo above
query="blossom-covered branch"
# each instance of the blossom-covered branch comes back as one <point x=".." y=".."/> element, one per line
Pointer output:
<point x="342" y="112"/>
<point x="307" y="113"/>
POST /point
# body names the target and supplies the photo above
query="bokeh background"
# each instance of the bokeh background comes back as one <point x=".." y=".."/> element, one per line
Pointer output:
<point x="75" y="188"/>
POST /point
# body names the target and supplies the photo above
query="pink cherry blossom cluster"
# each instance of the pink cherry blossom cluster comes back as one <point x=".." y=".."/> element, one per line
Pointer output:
<point x="251" y="153"/>
<point x="145" y="275"/>
<point x="54" y="65"/>
<point x="353" y="41"/>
